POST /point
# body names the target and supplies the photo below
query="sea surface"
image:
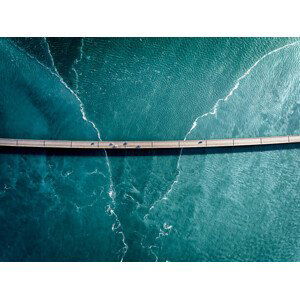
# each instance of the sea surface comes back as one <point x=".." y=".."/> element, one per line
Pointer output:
<point x="240" y="204"/>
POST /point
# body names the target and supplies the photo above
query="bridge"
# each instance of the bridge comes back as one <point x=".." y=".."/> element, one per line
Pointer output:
<point x="232" y="142"/>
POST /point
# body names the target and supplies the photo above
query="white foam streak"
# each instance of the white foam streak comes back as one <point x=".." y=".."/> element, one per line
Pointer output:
<point x="50" y="55"/>
<point x="213" y="112"/>
<point x="56" y="74"/>
<point x="214" y="109"/>
<point x="111" y="192"/>
<point x="152" y="252"/>
<point x="76" y="61"/>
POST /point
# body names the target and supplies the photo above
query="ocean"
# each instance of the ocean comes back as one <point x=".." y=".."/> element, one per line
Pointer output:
<point x="213" y="205"/>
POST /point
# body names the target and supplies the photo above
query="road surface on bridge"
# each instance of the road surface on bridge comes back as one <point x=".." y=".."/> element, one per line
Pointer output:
<point x="232" y="142"/>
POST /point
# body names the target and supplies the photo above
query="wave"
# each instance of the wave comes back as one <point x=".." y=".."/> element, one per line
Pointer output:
<point x="213" y="112"/>
<point x="111" y="192"/>
<point x="214" y="109"/>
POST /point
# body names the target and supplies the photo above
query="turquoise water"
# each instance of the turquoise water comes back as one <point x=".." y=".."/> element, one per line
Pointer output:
<point x="209" y="205"/>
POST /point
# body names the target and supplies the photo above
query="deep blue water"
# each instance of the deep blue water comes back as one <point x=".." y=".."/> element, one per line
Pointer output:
<point x="209" y="205"/>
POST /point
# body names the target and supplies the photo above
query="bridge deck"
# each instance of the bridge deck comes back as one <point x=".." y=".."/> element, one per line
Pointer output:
<point x="232" y="142"/>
